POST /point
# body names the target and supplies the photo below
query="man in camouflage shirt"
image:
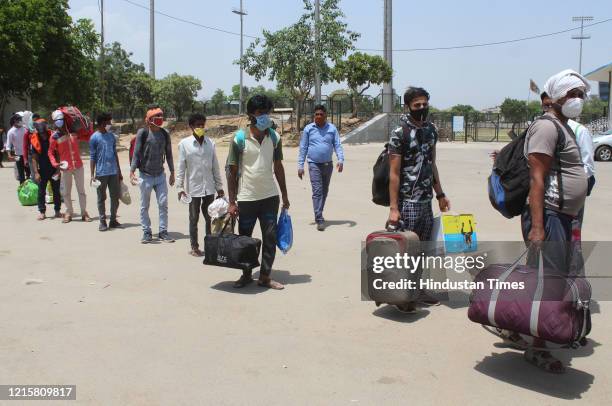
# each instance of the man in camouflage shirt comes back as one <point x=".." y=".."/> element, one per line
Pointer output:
<point x="413" y="173"/>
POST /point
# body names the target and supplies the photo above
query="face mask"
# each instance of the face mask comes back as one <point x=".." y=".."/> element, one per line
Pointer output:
<point x="157" y="121"/>
<point x="107" y="127"/>
<point x="18" y="124"/>
<point x="59" y="124"/>
<point x="572" y="107"/>
<point x="262" y="122"/>
<point x="199" y="132"/>
<point x="420" y="115"/>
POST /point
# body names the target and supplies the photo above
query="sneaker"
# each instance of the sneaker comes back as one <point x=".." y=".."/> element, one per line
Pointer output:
<point x="103" y="226"/>
<point x="321" y="226"/>
<point x="114" y="224"/>
<point x="164" y="237"/>
<point x="146" y="238"/>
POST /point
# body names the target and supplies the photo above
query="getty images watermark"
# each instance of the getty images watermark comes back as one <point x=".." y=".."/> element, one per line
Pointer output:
<point x="454" y="276"/>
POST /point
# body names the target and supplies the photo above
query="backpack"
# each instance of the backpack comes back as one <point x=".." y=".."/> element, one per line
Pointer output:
<point x="240" y="141"/>
<point x="381" y="169"/>
<point x="508" y="183"/>
<point x="144" y="136"/>
<point x="77" y="122"/>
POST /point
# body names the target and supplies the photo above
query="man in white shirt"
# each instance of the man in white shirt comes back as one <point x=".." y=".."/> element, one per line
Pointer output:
<point x="14" y="145"/>
<point x="198" y="177"/>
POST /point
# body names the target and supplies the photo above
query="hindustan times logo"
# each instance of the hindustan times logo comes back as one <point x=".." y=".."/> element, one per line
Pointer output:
<point x="413" y="263"/>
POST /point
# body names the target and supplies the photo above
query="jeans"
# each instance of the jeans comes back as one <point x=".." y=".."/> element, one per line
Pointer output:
<point x="150" y="183"/>
<point x="198" y="204"/>
<point x="556" y="250"/>
<point x="22" y="170"/>
<point x="45" y="178"/>
<point x="66" y="179"/>
<point x="266" y="211"/>
<point x="320" y="176"/>
<point x="112" y="183"/>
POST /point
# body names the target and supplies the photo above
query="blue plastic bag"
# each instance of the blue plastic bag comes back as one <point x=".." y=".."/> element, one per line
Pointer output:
<point x="284" y="232"/>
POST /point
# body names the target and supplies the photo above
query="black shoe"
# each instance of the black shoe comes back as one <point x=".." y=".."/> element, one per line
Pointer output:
<point x="321" y="226"/>
<point x="114" y="224"/>
<point x="146" y="238"/>
<point x="164" y="237"/>
<point x="103" y="226"/>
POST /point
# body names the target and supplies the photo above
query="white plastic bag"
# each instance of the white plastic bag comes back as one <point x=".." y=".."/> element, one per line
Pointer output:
<point x="124" y="194"/>
<point x="218" y="208"/>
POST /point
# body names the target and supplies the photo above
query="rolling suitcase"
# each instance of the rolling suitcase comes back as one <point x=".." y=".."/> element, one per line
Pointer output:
<point x="389" y="244"/>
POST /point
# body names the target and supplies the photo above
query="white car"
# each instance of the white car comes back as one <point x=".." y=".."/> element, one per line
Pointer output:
<point x="602" y="144"/>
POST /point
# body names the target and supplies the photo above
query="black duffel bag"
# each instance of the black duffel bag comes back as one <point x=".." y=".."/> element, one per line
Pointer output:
<point x="231" y="251"/>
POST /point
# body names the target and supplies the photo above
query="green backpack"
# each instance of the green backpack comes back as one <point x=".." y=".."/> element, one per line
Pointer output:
<point x="27" y="193"/>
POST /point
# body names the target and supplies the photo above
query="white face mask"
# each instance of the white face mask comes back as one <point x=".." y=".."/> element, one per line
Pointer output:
<point x="572" y="107"/>
<point x="108" y="127"/>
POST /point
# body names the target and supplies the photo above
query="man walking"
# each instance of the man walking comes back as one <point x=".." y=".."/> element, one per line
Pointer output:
<point x="151" y="149"/>
<point x="104" y="164"/>
<point x="558" y="184"/>
<point x="14" y="146"/>
<point x="42" y="168"/>
<point x="65" y="146"/>
<point x="319" y="140"/>
<point x="255" y="154"/>
<point x="198" y="177"/>
<point x="413" y="174"/>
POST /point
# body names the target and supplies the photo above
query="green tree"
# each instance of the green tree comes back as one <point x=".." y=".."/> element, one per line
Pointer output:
<point x="39" y="43"/>
<point x="534" y="109"/>
<point x="514" y="111"/>
<point x="177" y="92"/>
<point x="291" y="56"/>
<point x="360" y="71"/>
<point x="462" y="110"/>
<point x="594" y="108"/>
<point x="218" y="100"/>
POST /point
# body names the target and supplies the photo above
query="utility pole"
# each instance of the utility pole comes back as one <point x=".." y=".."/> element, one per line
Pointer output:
<point x="152" y="39"/>
<point x="102" y="85"/>
<point x="242" y="12"/>
<point x="388" y="55"/>
<point x="582" y="19"/>
<point x="316" y="35"/>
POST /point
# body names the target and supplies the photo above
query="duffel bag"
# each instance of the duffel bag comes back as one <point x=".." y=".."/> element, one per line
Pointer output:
<point x="232" y="251"/>
<point x="550" y="308"/>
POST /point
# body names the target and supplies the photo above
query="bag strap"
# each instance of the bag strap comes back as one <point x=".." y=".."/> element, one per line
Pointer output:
<point x="561" y="141"/>
<point x="407" y="134"/>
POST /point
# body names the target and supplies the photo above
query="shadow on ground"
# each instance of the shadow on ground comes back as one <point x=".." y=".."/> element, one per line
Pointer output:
<point x="389" y="312"/>
<point x="511" y="367"/>
<point x="332" y="223"/>
<point x="281" y="276"/>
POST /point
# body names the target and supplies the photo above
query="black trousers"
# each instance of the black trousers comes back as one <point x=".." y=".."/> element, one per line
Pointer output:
<point x="197" y="205"/>
<point x="45" y="178"/>
<point x="112" y="183"/>
<point x="266" y="211"/>
<point x="22" y="170"/>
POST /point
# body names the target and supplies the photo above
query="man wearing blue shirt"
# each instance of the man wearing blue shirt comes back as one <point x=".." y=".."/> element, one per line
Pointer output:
<point x="319" y="140"/>
<point x="105" y="168"/>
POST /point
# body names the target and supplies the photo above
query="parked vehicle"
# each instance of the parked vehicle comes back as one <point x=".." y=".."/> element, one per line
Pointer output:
<point x="602" y="143"/>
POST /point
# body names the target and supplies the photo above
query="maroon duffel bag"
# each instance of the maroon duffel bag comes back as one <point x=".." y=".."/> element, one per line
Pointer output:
<point x="550" y="308"/>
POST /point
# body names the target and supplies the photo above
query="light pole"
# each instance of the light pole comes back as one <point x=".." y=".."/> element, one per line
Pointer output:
<point x="102" y="52"/>
<point x="316" y="35"/>
<point x="241" y="12"/>
<point x="388" y="55"/>
<point x="581" y="37"/>
<point x="152" y="39"/>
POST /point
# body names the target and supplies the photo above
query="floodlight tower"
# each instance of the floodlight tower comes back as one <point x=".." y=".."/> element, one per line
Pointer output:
<point x="581" y="37"/>
<point x="241" y="12"/>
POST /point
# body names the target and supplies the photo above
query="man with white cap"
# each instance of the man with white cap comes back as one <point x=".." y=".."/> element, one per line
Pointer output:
<point x="558" y="184"/>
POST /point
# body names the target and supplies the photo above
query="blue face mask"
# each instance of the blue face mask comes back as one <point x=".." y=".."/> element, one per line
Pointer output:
<point x="263" y="122"/>
<point x="59" y="124"/>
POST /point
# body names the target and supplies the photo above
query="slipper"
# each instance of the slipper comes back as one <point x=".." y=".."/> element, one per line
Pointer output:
<point x="408" y="308"/>
<point x="242" y="282"/>
<point x="270" y="284"/>
<point x="196" y="253"/>
<point x="41" y="216"/>
<point x="545" y="361"/>
<point x="86" y="218"/>
<point x="67" y="219"/>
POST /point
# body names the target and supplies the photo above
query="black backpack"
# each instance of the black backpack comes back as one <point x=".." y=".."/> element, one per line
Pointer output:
<point x="508" y="183"/>
<point x="381" y="169"/>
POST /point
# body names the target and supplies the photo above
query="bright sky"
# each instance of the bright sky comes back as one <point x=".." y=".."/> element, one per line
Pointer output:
<point x="482" y="77"/>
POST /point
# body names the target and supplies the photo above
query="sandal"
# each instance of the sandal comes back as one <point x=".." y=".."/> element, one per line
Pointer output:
<point x="408" y="308"/>
<point x="270" y="284"/>
<point x="196" y="253"/>
<point x="545" y="361"/>
<point x="511" y="340"/>
<point x="58" y="215"/>
<point x="67" y="219"/>
<point x="41" y="216"/>
<point x="243" y="281"/>
<point x="85" y="217"/>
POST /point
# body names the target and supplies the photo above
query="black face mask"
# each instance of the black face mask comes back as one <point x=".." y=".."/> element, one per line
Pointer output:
<point x="420" y="115"/>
